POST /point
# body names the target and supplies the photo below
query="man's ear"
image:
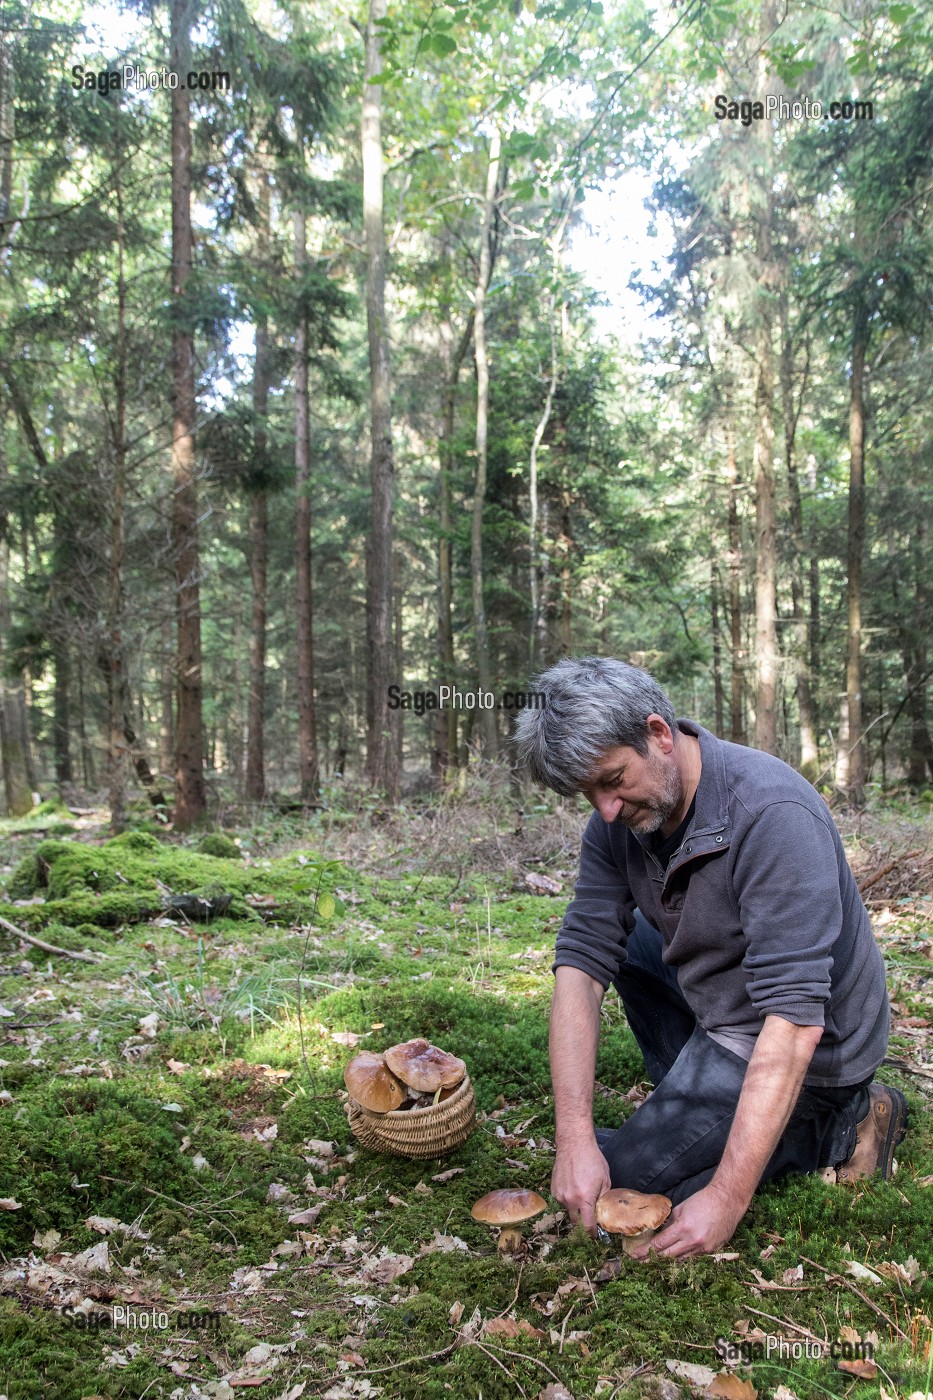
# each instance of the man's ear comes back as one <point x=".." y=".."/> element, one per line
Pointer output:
<point x="660" y="731"/>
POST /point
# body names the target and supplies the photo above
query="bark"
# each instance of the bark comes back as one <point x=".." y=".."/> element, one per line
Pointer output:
<point x="737" y="675"/>
<point x="718" y="696"/>
<point x="540" y="429"/>
<point x="259" y="540"/>
<point x="307" y="732"/>
<point x="7" y="132"/>
<point x="190" y="796"/>
<point x="167" y="699"/>
<point x="116" y="678"/>
<point x="61" y="718"/>
<point x="488" y="734"/>
<point x="444" y="754"/>
<point x="766" y="655"/>
<point x="566" y="545"/>
<point x="380" y="727"/>
<point x="809" y="753"/>
<point x="850" y="763"/>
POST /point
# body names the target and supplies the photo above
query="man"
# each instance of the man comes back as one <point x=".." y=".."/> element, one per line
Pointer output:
<point x="715" y="895"/>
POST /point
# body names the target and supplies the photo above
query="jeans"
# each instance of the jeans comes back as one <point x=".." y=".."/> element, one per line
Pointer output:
<point x="675" y="1140"/>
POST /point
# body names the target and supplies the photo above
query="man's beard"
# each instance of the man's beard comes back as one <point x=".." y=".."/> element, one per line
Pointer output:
<point x="650" y="816"/>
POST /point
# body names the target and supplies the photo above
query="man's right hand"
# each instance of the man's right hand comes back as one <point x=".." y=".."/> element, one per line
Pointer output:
<point x="579" y="1178"/>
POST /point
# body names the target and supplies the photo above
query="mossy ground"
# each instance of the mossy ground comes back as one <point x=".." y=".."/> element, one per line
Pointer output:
<point x="187" y="1126"/>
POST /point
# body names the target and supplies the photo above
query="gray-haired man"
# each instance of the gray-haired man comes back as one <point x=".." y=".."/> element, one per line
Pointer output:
<point x="715" y="895"/>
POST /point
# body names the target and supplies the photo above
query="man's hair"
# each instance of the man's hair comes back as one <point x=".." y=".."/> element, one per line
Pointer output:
<point x="593" y="704"/>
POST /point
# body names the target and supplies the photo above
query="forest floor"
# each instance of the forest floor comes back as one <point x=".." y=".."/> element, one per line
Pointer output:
<point x="173" y="1141"/>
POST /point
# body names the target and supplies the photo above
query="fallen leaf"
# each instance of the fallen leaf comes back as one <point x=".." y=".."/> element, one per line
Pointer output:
<point x="9" y="1203"/>
<point x="95" y="1260"/>
<point x="349" y="1038"/>
<point x="555" y="1391"/>
<point x="859" y="1271"/>
<point x="149" y="1025"/>
<point x="388" y="1268"/>
<point x="104" y="1224"/>
<point x="46" y="1240"/>
<point x="542" y="884"/>
<point x="731" y="1387"/>
<point x="455" y="1314"/>
<point x="458" y="1171"/>
<point x="177" y="1066"/>
<point x="784" y="1392"/>
<point x="697" y="1375"/>
<point x="305" y="1217"/>
<point x="865" y="1370"/>
<point x="791" y="1276"/>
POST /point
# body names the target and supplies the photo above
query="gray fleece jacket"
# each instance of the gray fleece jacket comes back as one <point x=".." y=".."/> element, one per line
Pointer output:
<point x="758" y="912"/>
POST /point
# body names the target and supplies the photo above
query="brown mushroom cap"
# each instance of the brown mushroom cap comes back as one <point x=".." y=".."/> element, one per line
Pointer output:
<point x="630" y="1213"/>
<point x="372" y="1083"/>
<point x="424" y="1067"/>
<point x="508" y="1207"/>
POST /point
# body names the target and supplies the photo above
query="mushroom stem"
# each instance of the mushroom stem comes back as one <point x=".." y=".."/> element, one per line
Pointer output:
<point x="632" y="1242"/>
<point x="510" y="1240"/>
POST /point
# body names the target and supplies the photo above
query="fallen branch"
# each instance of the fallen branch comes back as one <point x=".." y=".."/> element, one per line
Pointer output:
<point x="48" y="947"/>
<point x="886" y="870"/>
<point x="847" y="1283"/>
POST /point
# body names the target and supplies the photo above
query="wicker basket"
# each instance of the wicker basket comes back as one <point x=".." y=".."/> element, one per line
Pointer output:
<point x="417" y="1132"/>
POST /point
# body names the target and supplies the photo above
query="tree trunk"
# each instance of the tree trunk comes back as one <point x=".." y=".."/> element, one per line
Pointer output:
<point x="307" y="732"/>
<point x="259" y="542"/>
<point x="809" y="753"/>
<point x="444" y="754"/>
<point x="489" y="737"/>
<point x="116" y="678"/>
<point x="61" y="719"/>
<point x="765" y="508"/>
<point x="850" y="763"/>
<point x="167" y="699"/>
<point x="380" y="727"/>
<point x="718" y="696"/>
<point x="190" y="796"/>
<point x="737" y="699"/>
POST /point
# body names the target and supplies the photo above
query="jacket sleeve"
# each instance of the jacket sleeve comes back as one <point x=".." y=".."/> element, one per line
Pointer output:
<point x="787" y="889"/>
<point x="601" y="914"/>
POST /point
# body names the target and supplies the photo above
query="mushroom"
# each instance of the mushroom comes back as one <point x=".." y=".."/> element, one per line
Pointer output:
<point x="424" y="1067"/>
<point x="510" y="1209"/>
<point x="373" y="1085"/>
<point x="633" y="1215"/>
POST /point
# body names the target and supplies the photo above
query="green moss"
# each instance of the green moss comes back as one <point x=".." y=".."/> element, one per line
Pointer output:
<point x="219" y="845"/>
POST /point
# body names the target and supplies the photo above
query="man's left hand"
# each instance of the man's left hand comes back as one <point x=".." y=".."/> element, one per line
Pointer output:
<point x="699" y="1225"/>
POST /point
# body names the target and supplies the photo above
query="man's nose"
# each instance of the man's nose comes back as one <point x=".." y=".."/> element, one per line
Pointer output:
<point x="608" y="805"/>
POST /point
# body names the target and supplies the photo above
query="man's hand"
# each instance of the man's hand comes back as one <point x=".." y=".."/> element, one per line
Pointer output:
<point x="579" y="1178"/>
<point x="701" y="1224"/>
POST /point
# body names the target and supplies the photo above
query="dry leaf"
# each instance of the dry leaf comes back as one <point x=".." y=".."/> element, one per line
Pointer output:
<point x="555" y="1391"/>
<point x="865" y="1370"/>
<point x="783" y="1392"/>
<point x="731" y="1387"/>
<point x="792" y="1276"/>
<point x="149" y="1025"/>
<point x="455" y="1314"/>
<point x="860" y="1272"/>
<point x="10" y="1203"/>
<point x="347" y="1037"/>
<point x="177" y="1066"/>
<point x="697" y="1375"/>
<point x="387" y="1269"/>
<point x="104" y="1224"/>
<point x="305" y="1217"/>
<point x="449" y="1175"/>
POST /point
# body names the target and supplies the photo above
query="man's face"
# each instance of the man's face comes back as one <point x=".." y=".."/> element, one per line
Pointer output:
<point x="640" y="792"/>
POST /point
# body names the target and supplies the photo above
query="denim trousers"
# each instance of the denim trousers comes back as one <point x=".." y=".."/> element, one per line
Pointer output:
<point x="674" y="1141"/>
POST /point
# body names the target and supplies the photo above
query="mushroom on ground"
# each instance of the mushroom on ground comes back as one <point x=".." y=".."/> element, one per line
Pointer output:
<point x="424" y="1067"/>
<point x="370" y="1081"/>
<point x="633" y="1215"/>
<point x="510" y="1209"/>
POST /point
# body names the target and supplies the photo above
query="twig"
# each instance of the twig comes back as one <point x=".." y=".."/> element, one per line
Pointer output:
<point x="517" y="1288"/>
<point x="908" y="1068"/>
<point x="48" y="947"/>
<point x="855" y="1289"/>
<point x="523" y="1356"/>
<point x="886" y="870"/>
<point x="804" y="1332"/>
<point x="564" y="1326"/>
<point x="501" y="1364"/>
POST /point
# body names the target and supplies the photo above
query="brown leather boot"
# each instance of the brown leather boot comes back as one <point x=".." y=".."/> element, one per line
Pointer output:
<point x="876" y="1137"/>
